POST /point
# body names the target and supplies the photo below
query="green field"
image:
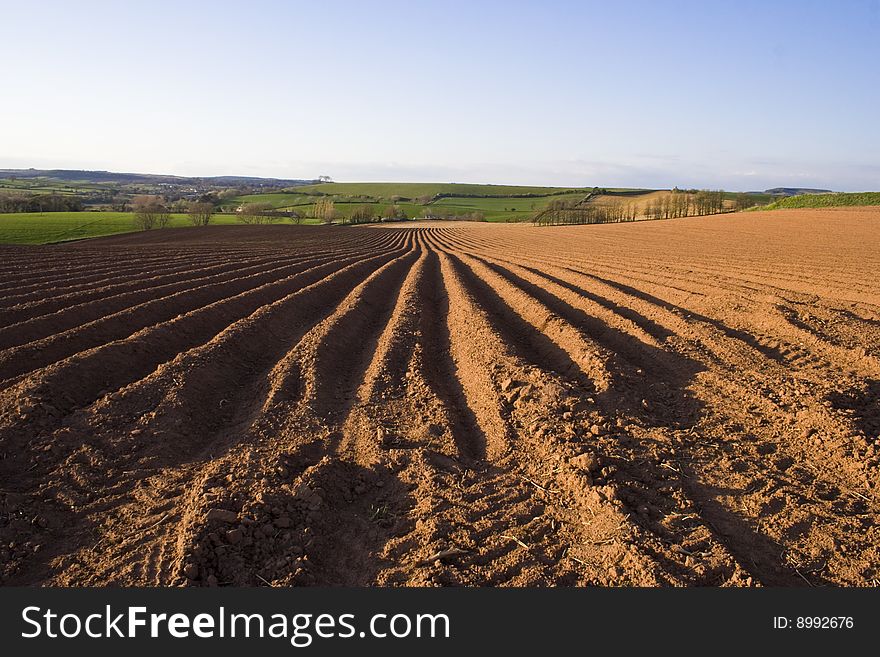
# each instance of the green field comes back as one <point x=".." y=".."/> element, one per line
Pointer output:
<point x="36" y="228"/>
<point x="825" y="200"/>
<point x="505" y="208"/>
<point x="348" y="196"/>
<point x="47" y="186"/>
<point x="276" y="199"/>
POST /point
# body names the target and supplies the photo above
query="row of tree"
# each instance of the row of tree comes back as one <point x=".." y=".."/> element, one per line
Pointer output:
<point x="154" y="212"/>
<point x="679" y="203"/>
<point x="13" y="202"/>
<point x="151" y="211"/>
<point x="325" y="211"/>
<point x="559" y="213"/>
<point x="451" y="213"/>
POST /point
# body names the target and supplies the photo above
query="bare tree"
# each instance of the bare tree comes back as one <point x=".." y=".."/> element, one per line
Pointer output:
<point x="363" y="214"/>
<point x="256" y="213"/>
<point x="744" y="201"/>
<point x="199" y="213"/>
<point x="325" y="210"/>
<point x="394" y="212"/>
<point x="163" y="217"/>
<point x="150" y="212"/>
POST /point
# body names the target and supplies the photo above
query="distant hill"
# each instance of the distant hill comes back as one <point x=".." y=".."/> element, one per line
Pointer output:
<point x="406" y="190"/>
<point x="796" y="191"/>
<point x="79" y="175"/>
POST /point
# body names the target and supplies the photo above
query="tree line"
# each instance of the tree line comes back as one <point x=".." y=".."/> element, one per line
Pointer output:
<point x="11" y="202"/>
<point x="681" y="203"/>
<point x="678" y="203"/>
<point x="152" y="211"/>
<point x="563" y="213"/>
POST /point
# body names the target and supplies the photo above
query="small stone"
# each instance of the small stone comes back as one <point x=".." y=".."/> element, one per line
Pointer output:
<point x="233" y="536"/>
<point x="807" y="433"/>
<point x="507" y="385"/>
<point x="585" y="462"/>
<point x="596" y="430"/>
<point x="191" y="571"/>
<point x="223" y="515"/>
<point x="553" y="393"/>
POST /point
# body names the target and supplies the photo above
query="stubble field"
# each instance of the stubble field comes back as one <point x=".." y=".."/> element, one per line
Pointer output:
<point x="684" y="402"/>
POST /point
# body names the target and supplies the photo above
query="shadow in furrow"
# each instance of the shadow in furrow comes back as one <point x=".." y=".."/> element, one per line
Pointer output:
<point x="439" y="369"/>
<point x="345" y="351"/>
<point x="862" y="405"/>
<point x="526" y="341"/>
<point x="729" y="332"/>
<point x="650" y="327"/>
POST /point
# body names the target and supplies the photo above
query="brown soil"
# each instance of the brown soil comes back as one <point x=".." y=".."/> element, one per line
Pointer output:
<point x="688" y="402"/>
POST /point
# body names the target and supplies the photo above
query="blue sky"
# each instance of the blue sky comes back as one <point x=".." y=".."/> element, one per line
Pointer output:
<point x="740" y="95"/>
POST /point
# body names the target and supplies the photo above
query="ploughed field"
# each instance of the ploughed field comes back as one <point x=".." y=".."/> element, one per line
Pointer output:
<point x="688" y="402"/>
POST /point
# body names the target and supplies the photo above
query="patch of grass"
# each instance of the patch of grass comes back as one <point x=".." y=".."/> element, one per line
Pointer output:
<point x="504" y="208"/>
<point x="840" y="199"/>
<point x="46" y="186"/>
<point x="277" y="200"/>
<point x="36" y="228"/>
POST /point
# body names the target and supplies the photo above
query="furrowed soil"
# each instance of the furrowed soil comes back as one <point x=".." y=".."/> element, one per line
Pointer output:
<point x="680" y="403"/>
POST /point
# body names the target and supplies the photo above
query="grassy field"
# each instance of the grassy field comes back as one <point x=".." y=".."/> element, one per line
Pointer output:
<point x="276" y="200"/>
<point x="501" y="202"/>
<point x="46" y="186"/>
<point x="502" y="208"/>
<point x="36" y="228"/>
<point x="825" y="200"/>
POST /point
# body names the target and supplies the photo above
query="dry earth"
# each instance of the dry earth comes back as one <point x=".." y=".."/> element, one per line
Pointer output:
<point x="688" y="402"/>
